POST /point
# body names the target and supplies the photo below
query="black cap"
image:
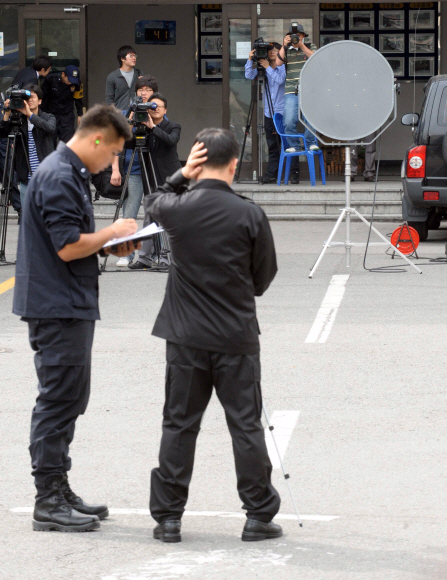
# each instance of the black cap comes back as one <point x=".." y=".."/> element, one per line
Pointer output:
<point x="300" y="29"/>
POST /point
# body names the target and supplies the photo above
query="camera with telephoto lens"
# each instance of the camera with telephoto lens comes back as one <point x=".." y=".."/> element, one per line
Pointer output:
<point x="261" y="49"/>
<point x="139" y="110"/>
<point x="295" y="37"/>
<point x="17" y="98"/>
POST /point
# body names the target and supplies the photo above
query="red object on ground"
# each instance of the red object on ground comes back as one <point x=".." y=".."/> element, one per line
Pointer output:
<point x="404" y="244"/>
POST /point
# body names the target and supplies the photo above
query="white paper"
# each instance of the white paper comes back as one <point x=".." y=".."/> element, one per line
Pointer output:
<point x="243" y="50"/>
<point x="2" y="48"/>
<point x="148" y="230"/>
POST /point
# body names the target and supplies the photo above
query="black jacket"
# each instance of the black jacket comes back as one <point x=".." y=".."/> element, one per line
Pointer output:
<point x="58" y="99"/>
<point x="27" y="76"/>
<point x="163" y="139"/>
<point x="223" y="256"/>
<point x="44" y="127"/>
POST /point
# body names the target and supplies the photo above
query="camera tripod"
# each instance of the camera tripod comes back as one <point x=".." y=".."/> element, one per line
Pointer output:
<point x="14" y="137"/>
<point x="161" y="241"/>
<point x="256" y="91"/>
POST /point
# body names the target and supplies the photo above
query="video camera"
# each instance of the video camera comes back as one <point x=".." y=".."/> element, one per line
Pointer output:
<point x="139" y="110"/>
<point x="17" y="98"/>
<point x="261" y="49"/>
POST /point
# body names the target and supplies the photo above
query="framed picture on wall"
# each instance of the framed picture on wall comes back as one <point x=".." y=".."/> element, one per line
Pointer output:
<point x="365" y="38"/>
<point x="397" y="63"/>
<point x="332" y="21"/>
<point x="328" y="38"/>
<point x="422" y="66"/>
<point x="211" y="45"/>
<point x="361" y="20"/>
<point x="211" y="22"/>
<point x="391" y="19"/>
<point x="422" y="42"/>
<point x="392" y="43"/>
<point x="211" y="68"/>
<point x="422" y="19"/>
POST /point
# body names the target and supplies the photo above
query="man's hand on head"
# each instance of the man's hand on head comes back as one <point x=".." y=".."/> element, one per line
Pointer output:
<point x="194" y="163"/>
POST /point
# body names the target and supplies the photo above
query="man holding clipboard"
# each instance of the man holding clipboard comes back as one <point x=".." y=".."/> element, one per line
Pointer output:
<point x="56" y="293"/>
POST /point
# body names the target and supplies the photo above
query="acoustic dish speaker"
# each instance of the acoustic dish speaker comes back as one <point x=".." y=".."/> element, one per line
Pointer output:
<point x="347" y="90"/>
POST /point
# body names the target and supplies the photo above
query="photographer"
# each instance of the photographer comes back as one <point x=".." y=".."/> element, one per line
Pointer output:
<point x="294" y="54"/>
<point x="223" y="256"/>
<point x="145" y="87"/>
<point x="163" y="136"/>
<point x="30" y="75"/>
<point x="37" y="129"/>
<point x="275" y="78"/>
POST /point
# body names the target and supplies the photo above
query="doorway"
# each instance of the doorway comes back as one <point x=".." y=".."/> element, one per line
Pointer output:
<point x="242" y="24"/>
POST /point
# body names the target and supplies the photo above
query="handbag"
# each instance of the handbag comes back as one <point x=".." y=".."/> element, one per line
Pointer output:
<point x="104" y="188"/>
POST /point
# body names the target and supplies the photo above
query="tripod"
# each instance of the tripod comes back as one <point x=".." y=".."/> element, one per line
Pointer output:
<point x="14" y="138"/>
<point x="161" y="241"/>
<point x="256" y="90"/>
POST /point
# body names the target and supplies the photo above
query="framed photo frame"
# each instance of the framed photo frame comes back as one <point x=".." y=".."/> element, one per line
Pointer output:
<point x="328" y="38"/>
<point x="421" y="19"/>
<point x="365" y="38"/>
<point x="391" y="19"/>
<point x="422" y="66"/>
<point x="392" y="42"/>
<point x="361" y="20"/>
<point x="332" y="21"/>
<point x="397" y="63"/>
<point x="422" y="42"/>
<point x="211" y="22"/>
<point x="211" y="68"/>
<point x="210" y="45"/>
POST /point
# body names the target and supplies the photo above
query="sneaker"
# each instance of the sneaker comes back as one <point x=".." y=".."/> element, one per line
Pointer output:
<point x="314" y="148"/>
<point x="124" y="262"/>
<point x="139" y="266"/>
<point x="291" y="150"/>
<point x="268" y="179"/>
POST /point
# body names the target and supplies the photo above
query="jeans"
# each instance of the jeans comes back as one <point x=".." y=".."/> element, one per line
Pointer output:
<point x="290" y="119"/>
<point x="133" y="200"/>
<point x="22" y="187"/>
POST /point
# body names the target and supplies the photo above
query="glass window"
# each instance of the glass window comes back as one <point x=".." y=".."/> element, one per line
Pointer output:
<point x="58" y="38"/>
<point x="442" y="115"/>
<point x="9" y="63"/>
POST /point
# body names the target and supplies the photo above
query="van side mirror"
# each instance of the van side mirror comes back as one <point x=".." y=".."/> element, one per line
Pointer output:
<point x="410" y="119"/>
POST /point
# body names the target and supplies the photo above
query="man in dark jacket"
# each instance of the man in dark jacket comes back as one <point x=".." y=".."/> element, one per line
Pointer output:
<point x="222" y="257"/>
<point x="163" y="136"/>
<point x="40" y="68"/>
<point x="37" y="129"/>
<point x="120" y="84"/>
<point x="59" y="99"/>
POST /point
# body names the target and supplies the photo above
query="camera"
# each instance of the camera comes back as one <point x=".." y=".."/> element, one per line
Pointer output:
<point x="17" y="98"/>
<point x="140" y="109"/>
<point x="261" y="49"/>
<point x="295" y="37"/>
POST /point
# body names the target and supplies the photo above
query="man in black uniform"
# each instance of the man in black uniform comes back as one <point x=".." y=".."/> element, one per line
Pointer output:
<point x="59" y="99"/>
<point x="222" y="257"/>
<point x="56" y="292"/>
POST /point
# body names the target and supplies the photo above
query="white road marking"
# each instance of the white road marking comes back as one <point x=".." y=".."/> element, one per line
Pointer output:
<point x="145" y="512"/>
<point x="284" y="423"/>
<point x="322" y="325"/>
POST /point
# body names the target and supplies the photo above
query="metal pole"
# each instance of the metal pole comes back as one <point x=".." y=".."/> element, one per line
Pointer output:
<point x="348" y="204"/>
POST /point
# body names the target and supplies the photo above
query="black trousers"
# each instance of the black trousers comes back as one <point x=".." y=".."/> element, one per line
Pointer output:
<point x="63" y="363"/>
<point x="65" y="129"/>
<point x="190" y="376"/>
<point x="272" y="143"/>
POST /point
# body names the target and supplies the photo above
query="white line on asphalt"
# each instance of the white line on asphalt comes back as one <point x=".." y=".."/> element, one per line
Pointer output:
<point x="322" y="325"/>
<point x="145" y="512"/>
<point x="284" y="423"/>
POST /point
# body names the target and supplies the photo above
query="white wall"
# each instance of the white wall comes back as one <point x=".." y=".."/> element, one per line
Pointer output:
<point x="193" y="106"/>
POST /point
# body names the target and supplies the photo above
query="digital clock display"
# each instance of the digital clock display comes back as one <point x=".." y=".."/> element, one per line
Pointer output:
<point x="155" y="32"/>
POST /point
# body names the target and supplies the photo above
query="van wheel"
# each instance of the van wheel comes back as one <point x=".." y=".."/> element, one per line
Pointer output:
<point x="421" y="228"/>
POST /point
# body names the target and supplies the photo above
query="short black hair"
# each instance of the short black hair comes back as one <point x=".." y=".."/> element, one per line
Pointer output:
<point x="35" y="89"/>
<point x="123" y="51"/>
<point x="108" y="118"/>
<point x="221" y="144"/>
<point x="160" y="97"/>
<point x="276" y="45"/>
<point x="147" y="81"/>
<point x="42" y="61"/>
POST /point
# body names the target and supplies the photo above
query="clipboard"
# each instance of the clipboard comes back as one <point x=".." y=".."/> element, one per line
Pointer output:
<point x="143" y="234"/>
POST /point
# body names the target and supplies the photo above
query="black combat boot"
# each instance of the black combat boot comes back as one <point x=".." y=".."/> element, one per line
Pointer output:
<point x="255" y="531"/>
<point x="169" y="531"/>
<point x="79" y="504"/>
<point x="53" y="512"/>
